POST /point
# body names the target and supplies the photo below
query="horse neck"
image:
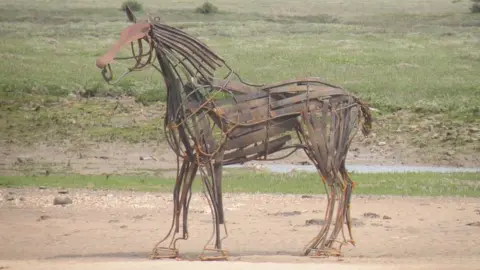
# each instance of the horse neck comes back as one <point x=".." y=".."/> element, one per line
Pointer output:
<point x="179" y="90"/>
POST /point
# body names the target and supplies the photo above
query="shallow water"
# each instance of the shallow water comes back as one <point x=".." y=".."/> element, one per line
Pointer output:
<point x="285" y="168"/>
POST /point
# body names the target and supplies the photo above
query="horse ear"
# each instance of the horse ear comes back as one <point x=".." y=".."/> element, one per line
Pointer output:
<point x="130" y="15"/>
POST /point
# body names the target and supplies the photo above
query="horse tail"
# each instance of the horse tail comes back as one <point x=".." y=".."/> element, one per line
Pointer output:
<point x="367" y="117"/>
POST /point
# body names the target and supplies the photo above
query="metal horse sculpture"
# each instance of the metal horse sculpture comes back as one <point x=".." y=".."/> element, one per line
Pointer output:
<point x="211" y="122"/>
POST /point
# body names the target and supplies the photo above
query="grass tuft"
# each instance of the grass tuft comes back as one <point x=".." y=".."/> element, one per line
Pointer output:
<point x="406" y="184"/>
<point x="132" y="4"/>
<point x="475" y="8"/>
<point x="207" y="8"/>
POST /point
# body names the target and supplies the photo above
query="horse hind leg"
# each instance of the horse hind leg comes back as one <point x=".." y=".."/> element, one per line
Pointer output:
<point x="347" y="198"/>
<point x="342" y="191"/>
<point x="320" y="242"/>
<point x="327" y="140"/>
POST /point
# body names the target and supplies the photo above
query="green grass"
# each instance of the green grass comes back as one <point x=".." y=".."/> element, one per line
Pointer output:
<point x="408" y="184"/>
<point x="54" y="118"/>
<point x="418" y="56"/>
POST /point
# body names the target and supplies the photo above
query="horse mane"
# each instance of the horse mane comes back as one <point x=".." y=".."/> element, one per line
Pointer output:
<point x="194" y="57"/>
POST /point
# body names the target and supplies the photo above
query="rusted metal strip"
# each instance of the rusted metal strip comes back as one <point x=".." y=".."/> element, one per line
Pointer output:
<point x="314" y="93"/>
<point x="318" y="136"/>
<point x="198" y="61"/>
<point x="234" y="86"/>
<point x="254" y="156"/>
<point x="313" y="144"/>
<point x="257" y="149"/>
<point x="258" y="136"/>
<point x="260" y="114"/>
<point x="188" y="45"/>
<point x="188" y="56"/>
<point x="289" y="88"/>
<point x="189" y="39"/>
<point x="242" y="130"/>
<point x="184" y="35"/>
<point x="292" y="81"/>
<point x="303" y="88"/>
<point x="231" y="111"/>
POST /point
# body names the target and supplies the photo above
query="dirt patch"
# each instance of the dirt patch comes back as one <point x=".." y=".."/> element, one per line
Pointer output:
<point x="126" y="225"/>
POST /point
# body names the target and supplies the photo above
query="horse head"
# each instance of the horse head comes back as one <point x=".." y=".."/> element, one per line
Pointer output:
<point x="137" y="32"/>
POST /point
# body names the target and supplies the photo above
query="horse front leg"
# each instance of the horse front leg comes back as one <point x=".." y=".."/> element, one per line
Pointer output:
<point x="213" y="191"/>
<point x="181" y="201"/>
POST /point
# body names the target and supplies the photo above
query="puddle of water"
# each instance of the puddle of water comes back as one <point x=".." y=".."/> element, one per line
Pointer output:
<point x="286" y="168"/>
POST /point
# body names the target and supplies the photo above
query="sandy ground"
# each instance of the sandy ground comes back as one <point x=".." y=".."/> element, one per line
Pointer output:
<point x="116" y="230"/>
<point x="144" y="265"/>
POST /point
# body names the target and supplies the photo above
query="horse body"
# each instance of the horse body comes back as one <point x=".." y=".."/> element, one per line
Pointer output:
<point x="212" y="122"/>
